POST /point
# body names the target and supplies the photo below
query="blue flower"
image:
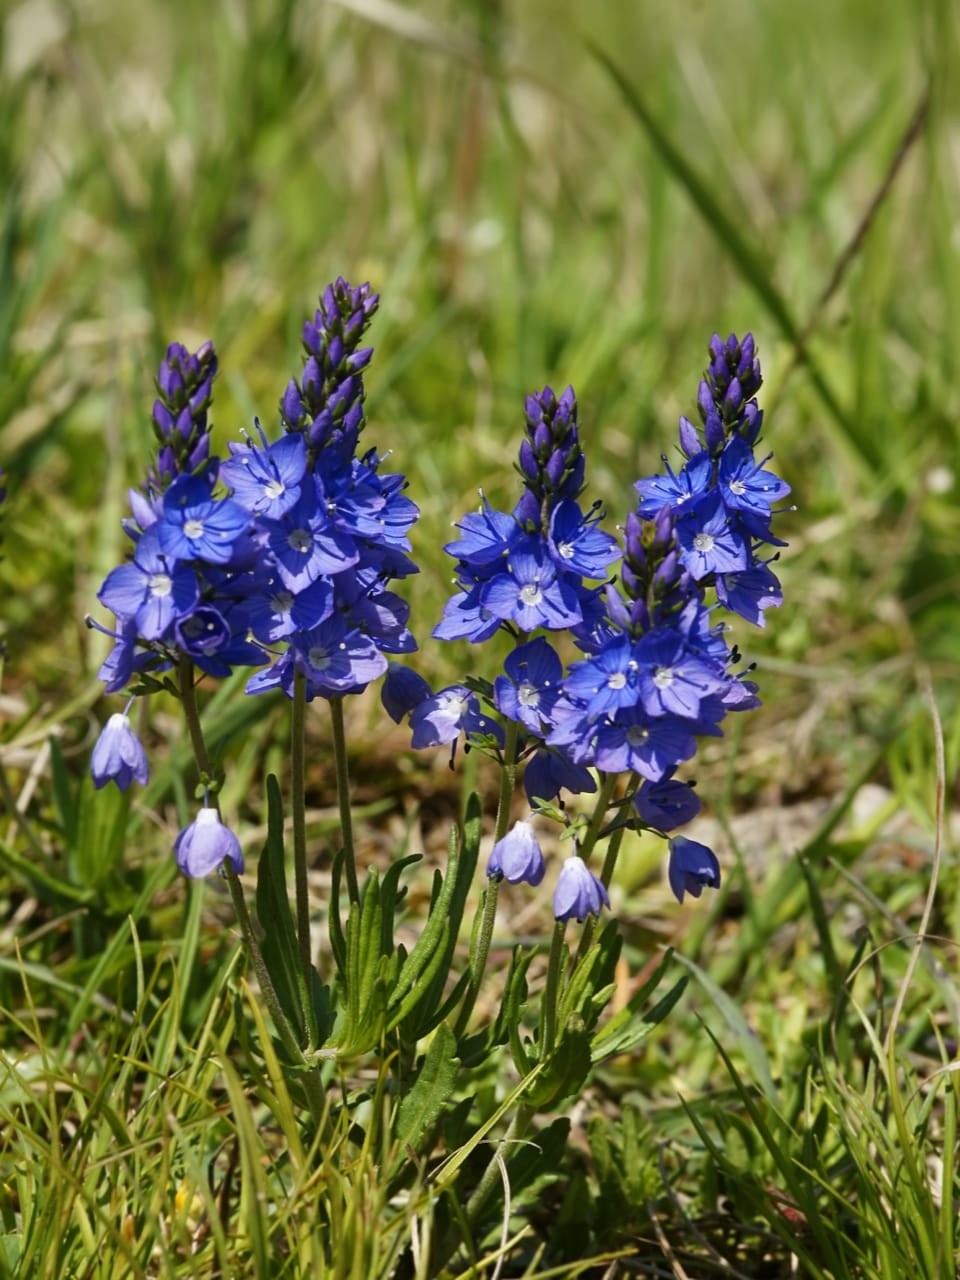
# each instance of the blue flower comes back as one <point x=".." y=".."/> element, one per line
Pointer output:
<point x="402" y="690"/>
<point x="608" y="680"/>
<point x="203" y="846"/>
<point x="266" y="481"/>
<point x="675" y="491"/>
<point x="750" y="593"/>
<point x="709" y="543"/>
<point x="648" y="745"/>
<point x="154" y="588"/>
<point x="667" y="804"/>
<point x="673" y="679"/>
<point x="579" y="893"/>
<point x="531" y="593"/>
<point x="518" y="856"/>
<point x="334" y="659"/>
<point x="743" y="484"/>
<point x="306" y="543"/>
<point x="691" y="866"/>
<point x="530" y="688"/>
<point x="577" y="545"/>
<point x="488" y="536"/>
<point x="548" y="772"/>
<point x="442" y="718"/>
<point x="118" y="755"/>
<point x="276" y="612"/>
<point x="465" y="618"/>
<point x="196" y="526"/>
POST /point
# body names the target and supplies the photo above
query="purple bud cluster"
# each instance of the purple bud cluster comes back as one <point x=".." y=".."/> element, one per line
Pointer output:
<point x="656" y="673"/>
<point x="327" y="402"/>
<point x="185" y="389"/>
<point x="283" y="552"/>
<point x="527" y="569"/>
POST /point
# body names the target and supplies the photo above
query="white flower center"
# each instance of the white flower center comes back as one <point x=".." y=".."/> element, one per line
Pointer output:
<point x="193" y="528"/>
<point x="738" y="487"/>
<point x="703" y="542"/>
<point x="273" y="489"/>
<point x="566" y="550"/>
<point x="663" y="677"/>
<point x="528" y="695"/>
<point x="531" y="593"/>
<point x="618" y="680"/>
<point x="318" y="657"/>
<point x="455" y="705"/>
<point x="161" y="584"/>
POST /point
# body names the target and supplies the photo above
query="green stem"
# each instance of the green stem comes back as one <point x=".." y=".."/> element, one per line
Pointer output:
<point x="478" y="960"/>
<point x="606" y="874"/>
<point x="312" y="1083"/>
<point x="491" y="1175"/>
<point x="270" y="997"/>
<point x="478" y="956"/>
<point x="508" y="780"/>
<point x="298" y="803"/>
<point x="608" y="785"/>
<point x="551" y="991"/>
<point x="616" y="840"/>
<point x="343" y="798"/>
<point x="450" y="1247"/>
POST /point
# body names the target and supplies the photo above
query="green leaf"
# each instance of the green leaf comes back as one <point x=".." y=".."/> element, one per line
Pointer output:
<point x="431" y="1091"/>
<point x="431" y="1008"/>
<point x="629" y="1026"/>
<point x="392" y="895"/>
<point x="279" y="946"/>
<point x="48" y="887"/>
<point x="435" y="930"/>
<point x="64" y="793"/>
<point x="338" y="941"/>
<point x="564" y="1073"/>
<point x="101" y="830"/>
<point x="752" y="1049"/>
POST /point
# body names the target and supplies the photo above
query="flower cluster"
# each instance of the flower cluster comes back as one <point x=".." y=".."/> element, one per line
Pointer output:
<point x="285" y="550"/>
<point x="330" y="527"/>
<point x="656" y="672"/>
<point x="521" y="571"/>
<point x="184" y="589"/>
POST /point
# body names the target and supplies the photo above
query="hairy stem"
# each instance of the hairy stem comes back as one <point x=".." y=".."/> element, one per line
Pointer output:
<point x="298" y="803"/>
<point x="479" y="954"/>
<point x="343" y="798"/>
<point x="191" y="711"/>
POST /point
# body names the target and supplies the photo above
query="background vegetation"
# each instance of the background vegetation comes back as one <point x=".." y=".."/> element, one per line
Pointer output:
<point x="542" y="192"/>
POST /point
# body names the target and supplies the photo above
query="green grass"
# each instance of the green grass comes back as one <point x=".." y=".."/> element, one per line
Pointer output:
<point x="541" y="192"/>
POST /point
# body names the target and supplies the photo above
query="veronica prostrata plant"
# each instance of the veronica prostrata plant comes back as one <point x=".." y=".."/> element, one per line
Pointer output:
<point x="281" y="558"/>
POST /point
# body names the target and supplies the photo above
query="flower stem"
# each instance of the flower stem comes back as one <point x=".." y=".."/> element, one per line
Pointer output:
<point x="478" y="956"/>
<point x="343" y="798"/>
<point x="508" y="780"/>
<point x="298" y="806"/>
<point x="606" y="873"/>
<point x="478" y="960"/>
<point x="191" y="711"/>
<point x="608" y="785"/>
